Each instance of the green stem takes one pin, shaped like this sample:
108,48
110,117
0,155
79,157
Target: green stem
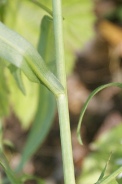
60,62
62,101
68,166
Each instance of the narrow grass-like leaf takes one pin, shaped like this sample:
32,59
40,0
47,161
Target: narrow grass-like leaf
87,102
16,50
46,105
46,46
108,179
41,125
10,174
25,178
104,170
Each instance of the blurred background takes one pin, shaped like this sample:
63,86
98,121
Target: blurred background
93,51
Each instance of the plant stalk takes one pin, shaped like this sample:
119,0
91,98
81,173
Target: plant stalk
62,100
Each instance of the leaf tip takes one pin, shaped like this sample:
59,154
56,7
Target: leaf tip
79,138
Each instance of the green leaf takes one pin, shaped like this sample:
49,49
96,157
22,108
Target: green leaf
10,174
41,125
46,105
103,172
109,141
111,177
19,52
78,23
17,76
87,102
46,46
25,178
23,106
4,102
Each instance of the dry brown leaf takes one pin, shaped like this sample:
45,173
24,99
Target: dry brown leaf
110,32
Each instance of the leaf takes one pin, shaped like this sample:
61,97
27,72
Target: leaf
78,23
27,177
106,29
93,163
41,125
109,178
4,103
17,76
19,52
23,106
10,174
46,105
104,170
87,102
46,46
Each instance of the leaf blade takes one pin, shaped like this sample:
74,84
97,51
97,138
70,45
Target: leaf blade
23,55
47,105
87,102
10,174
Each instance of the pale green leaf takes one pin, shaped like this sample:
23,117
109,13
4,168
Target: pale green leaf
24,106
103,172
87,102
19,52
46,104
17,76
78,23
111,177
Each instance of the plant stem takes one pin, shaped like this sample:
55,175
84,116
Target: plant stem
62,101
65,134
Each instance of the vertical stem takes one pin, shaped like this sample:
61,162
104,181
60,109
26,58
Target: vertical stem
62,101
68,166
57,16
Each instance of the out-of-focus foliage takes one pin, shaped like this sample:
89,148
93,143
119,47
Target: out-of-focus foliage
25,17
4,103
93,165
